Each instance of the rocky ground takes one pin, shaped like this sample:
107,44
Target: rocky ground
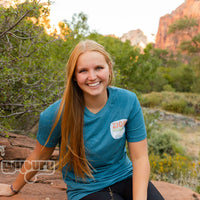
187,128
51,186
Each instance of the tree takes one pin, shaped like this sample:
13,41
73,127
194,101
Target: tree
27,72
78,25
32,62
185,25
146,70
191,46
182,78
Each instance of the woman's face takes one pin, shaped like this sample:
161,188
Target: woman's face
92,74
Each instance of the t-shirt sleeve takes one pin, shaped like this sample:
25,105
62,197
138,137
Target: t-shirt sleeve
46,122
135,127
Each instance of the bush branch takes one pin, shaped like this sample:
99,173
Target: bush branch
25,14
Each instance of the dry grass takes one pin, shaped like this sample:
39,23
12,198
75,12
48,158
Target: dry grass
184,103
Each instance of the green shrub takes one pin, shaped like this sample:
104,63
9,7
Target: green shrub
151,100
168,88
198,189
175,105
164,143
185,103
151,122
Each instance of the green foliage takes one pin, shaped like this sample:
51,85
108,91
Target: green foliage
168,88
181,78
198,189
146,70
185,103
183,24
187,26
151,100
151,122
78,26
192,46
164,143
31,65
176,105
168,159
195,86
177,169
172,73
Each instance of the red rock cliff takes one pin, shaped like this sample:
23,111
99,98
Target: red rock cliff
191,9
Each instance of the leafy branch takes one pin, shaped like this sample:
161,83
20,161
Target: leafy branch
14,25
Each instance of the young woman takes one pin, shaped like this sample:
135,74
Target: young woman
92,123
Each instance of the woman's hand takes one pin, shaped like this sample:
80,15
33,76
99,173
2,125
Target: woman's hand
5,190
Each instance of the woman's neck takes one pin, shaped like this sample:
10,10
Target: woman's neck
96,103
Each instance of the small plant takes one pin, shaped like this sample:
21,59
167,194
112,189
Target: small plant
151,100
168,88
177,169
164,143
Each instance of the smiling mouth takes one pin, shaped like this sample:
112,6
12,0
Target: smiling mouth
94,84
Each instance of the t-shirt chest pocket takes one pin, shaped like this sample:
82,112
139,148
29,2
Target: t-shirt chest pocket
117,128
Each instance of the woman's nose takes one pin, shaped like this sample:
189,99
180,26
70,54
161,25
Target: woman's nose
92,75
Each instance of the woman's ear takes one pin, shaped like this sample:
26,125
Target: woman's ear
110,64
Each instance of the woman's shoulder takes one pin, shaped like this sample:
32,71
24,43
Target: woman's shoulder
51,110
122,93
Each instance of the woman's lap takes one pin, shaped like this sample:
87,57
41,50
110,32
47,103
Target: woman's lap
123,191
103,195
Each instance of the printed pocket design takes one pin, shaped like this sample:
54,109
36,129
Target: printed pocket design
117,128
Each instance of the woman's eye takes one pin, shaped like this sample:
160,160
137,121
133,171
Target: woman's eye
99,67
81,71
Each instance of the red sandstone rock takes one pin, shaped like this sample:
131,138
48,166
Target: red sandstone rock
46,188
19,147
175,192
191,9
52,187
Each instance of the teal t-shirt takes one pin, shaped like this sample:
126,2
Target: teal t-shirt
105,134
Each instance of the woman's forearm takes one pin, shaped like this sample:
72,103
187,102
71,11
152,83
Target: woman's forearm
28,170
141,171
31,166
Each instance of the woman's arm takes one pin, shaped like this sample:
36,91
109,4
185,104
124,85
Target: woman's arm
39,153
141,168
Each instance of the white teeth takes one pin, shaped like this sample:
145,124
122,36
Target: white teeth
94,84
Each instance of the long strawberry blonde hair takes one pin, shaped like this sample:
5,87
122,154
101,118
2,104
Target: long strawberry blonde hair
71,113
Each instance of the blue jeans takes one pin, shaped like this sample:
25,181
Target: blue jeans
122,191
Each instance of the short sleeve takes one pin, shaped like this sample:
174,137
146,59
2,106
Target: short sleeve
46,122
135,127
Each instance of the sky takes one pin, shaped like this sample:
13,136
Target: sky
115,16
